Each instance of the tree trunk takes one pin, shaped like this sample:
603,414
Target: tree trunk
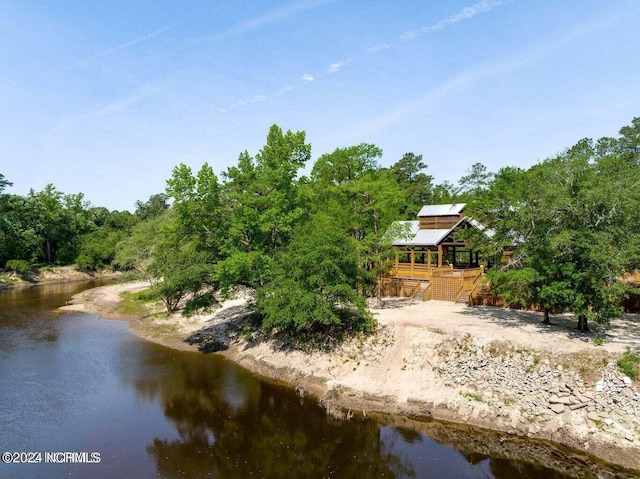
379,298
546,316
48,252
582,324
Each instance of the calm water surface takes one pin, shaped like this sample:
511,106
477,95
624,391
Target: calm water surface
75,382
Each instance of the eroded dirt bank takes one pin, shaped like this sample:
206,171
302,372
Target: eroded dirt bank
481,366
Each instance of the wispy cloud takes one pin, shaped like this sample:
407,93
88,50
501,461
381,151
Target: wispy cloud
273,16
119,108
307,77
131,43
464,14
249,101
378,48
334,67
283,90
480,72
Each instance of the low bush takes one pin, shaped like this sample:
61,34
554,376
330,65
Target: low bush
629,364
20,266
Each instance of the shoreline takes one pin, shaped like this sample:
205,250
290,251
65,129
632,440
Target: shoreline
54,275
467,366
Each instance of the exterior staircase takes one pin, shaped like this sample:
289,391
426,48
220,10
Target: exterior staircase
464,298
419,292
440,284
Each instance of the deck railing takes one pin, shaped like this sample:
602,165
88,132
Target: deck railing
445,283
421,271
428,293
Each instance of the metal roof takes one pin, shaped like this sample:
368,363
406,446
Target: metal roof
424,238
442,210
416,236
430,237
412,235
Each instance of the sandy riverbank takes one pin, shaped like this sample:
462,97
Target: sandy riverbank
483,366
49,275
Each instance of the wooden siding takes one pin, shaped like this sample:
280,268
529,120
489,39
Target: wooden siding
438,222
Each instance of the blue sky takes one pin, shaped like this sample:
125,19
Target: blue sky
105,98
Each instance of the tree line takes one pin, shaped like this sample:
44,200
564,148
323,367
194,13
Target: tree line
570,227
314,246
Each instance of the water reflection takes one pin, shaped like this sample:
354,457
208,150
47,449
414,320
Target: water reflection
77,383
231,425
23,309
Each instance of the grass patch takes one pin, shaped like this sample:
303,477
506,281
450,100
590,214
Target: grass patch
471,395
629,364
7,279
598,341
135,304
170,330
588,363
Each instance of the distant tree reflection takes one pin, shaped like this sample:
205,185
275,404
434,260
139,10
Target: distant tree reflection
229,424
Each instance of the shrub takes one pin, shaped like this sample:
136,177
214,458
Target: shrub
629,364
20,266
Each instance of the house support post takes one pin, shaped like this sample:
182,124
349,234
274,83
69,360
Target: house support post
413,260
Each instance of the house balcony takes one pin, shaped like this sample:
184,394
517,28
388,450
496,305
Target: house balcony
425,271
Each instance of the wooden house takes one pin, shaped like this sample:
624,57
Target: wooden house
432,259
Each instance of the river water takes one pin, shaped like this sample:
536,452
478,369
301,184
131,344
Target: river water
73,382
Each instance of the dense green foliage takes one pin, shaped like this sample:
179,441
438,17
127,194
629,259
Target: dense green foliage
569,224
313,283
313,247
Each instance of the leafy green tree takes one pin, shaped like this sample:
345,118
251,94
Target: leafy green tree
344,165
417,185
4,183
261,201
5,222
19,239
76,224
569,221
475,181
60,220
107,228
182,272
98,249
136,251
313,284
47,211
120,220
375,204
196,200
364,199
444,193
154,206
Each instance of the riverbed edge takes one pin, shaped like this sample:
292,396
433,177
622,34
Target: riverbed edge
343,402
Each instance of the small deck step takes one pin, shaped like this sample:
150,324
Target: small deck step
464,298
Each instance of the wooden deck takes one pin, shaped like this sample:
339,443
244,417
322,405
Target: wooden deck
429,282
